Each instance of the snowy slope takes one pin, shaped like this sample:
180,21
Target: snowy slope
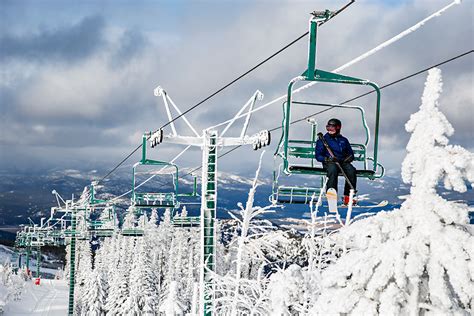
5,254
50,298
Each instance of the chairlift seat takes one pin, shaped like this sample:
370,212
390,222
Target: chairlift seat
321,171
296,195
158,200
306,150
132,232
103,232
187,221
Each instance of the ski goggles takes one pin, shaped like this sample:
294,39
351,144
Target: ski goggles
331,127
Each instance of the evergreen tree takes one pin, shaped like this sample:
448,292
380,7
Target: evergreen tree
119,284
83,273
417,259
94,295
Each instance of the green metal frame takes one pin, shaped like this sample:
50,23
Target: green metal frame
208,219
304,149
154,199
72,264
297,194
313,74
187,221
38,261
96,227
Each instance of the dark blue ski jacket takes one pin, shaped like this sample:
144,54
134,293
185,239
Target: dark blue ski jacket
339,145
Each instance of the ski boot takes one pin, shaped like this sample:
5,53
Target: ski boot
345,200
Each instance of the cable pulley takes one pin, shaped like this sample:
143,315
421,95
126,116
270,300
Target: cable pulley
156,138
262,139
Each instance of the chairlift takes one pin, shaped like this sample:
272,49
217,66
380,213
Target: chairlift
289,148
160,199
154,199
183,220
132,232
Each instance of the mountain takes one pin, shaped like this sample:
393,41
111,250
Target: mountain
27,195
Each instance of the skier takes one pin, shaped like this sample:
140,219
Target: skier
342,154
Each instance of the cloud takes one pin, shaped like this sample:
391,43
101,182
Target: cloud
131,44
103,98
67,43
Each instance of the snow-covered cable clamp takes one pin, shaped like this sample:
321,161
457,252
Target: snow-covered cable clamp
156,138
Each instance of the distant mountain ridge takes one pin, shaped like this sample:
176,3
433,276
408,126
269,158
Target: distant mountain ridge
25,195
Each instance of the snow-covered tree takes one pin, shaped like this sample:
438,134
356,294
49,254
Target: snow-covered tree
152,223
83,273
119,282
143,294
243,289
11,286
130,219
172,304
67,266
94,294
417,259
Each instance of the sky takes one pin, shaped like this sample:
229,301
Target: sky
77,77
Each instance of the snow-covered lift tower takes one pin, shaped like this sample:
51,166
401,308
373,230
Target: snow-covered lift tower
210,141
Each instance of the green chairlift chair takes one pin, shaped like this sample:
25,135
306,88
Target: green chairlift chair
291,148
154,199
160,199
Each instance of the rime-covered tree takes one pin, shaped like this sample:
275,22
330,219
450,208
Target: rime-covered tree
119,283
11,286
162,245
242,290
143,295
83,272
152,223
172,304
94,295
418,259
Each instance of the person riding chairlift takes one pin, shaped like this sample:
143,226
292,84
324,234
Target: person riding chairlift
343,154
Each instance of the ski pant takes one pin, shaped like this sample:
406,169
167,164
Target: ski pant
333,171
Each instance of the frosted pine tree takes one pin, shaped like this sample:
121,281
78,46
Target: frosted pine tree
162,245
83,272
242,291
119,284
130,220
172,304
11,286
94,295
67,266
418,259
105,258
152,222
148,287
143,295
131,304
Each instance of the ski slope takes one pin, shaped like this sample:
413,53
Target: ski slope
48,299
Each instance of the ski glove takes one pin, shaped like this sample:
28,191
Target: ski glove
330,159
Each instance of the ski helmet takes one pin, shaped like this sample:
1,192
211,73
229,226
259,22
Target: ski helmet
336,123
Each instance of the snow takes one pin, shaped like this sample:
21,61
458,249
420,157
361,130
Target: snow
50,298
5,254
413,260
417,259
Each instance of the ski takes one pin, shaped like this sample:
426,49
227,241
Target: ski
331,196
380,204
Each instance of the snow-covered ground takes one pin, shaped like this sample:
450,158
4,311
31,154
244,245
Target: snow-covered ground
49,298
5,254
